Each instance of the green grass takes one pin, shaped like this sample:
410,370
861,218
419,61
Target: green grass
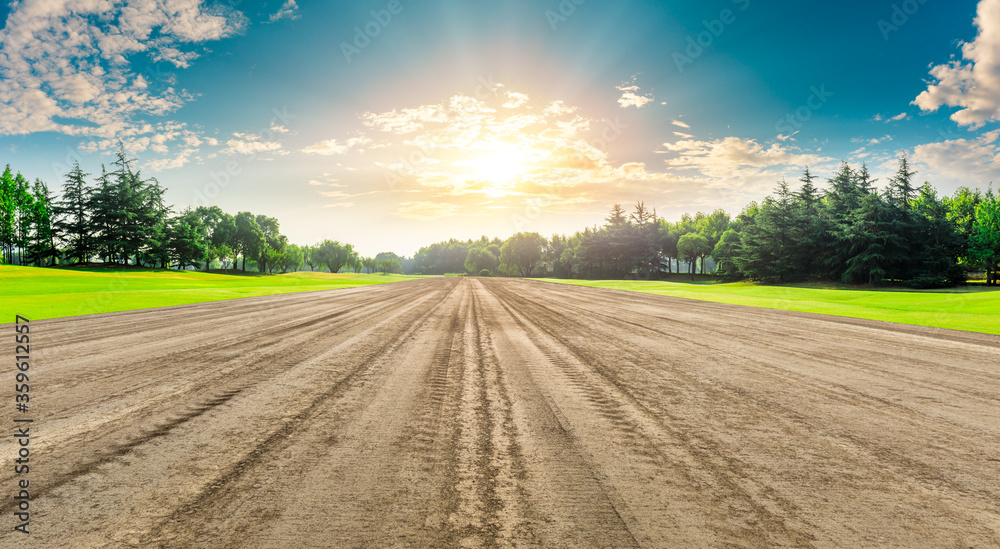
51,293
973,309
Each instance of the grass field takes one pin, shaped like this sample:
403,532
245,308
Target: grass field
51,293
972,308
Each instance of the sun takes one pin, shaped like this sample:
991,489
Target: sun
500,164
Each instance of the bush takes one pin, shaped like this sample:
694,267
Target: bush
485,272
927,281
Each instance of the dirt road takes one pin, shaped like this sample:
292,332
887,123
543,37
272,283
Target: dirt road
505,413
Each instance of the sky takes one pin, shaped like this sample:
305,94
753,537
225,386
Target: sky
392,124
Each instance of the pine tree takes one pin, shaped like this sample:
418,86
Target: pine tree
901,189
41,247
23,215
103,206
72,218
767,251
865,181
809,230
7,216
874,245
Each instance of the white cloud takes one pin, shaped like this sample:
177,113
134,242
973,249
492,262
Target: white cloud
332,146
742,164
898,117
684,135
631,99
65,67
972,83
286,11
249,143
680,124
177,161
782,137
515,100
971,162
632,96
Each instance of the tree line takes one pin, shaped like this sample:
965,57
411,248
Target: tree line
849,231
121,219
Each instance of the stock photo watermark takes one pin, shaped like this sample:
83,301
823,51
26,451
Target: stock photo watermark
372,29
714,28
793,121
219,181
562,13
900,16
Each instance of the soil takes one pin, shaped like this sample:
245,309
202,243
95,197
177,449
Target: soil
479,412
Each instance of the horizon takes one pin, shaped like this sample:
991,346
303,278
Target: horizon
404,124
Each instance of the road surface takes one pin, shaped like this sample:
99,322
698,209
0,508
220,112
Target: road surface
452,412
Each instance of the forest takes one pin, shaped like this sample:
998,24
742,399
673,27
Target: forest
847,230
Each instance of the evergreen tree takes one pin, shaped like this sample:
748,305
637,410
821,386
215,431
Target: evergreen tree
72,219
41,248
809,230
873,242
24,214
103,206
901,190
7,216
766,241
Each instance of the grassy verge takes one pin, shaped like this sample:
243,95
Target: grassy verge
51,293
973,309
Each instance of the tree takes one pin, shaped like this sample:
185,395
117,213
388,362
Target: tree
41,247
307,257
872,241
24,206
725,253
334,255
72,216
691,247
188,243
901,190
7,216
442,257
767,239
249,238
986,237
521,253
479,259
712,227
274,243
291,258
617,216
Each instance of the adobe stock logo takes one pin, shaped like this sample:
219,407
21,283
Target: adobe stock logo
363,36
793,121
900,16
697,44
566,9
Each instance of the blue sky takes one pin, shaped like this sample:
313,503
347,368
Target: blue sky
453,118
